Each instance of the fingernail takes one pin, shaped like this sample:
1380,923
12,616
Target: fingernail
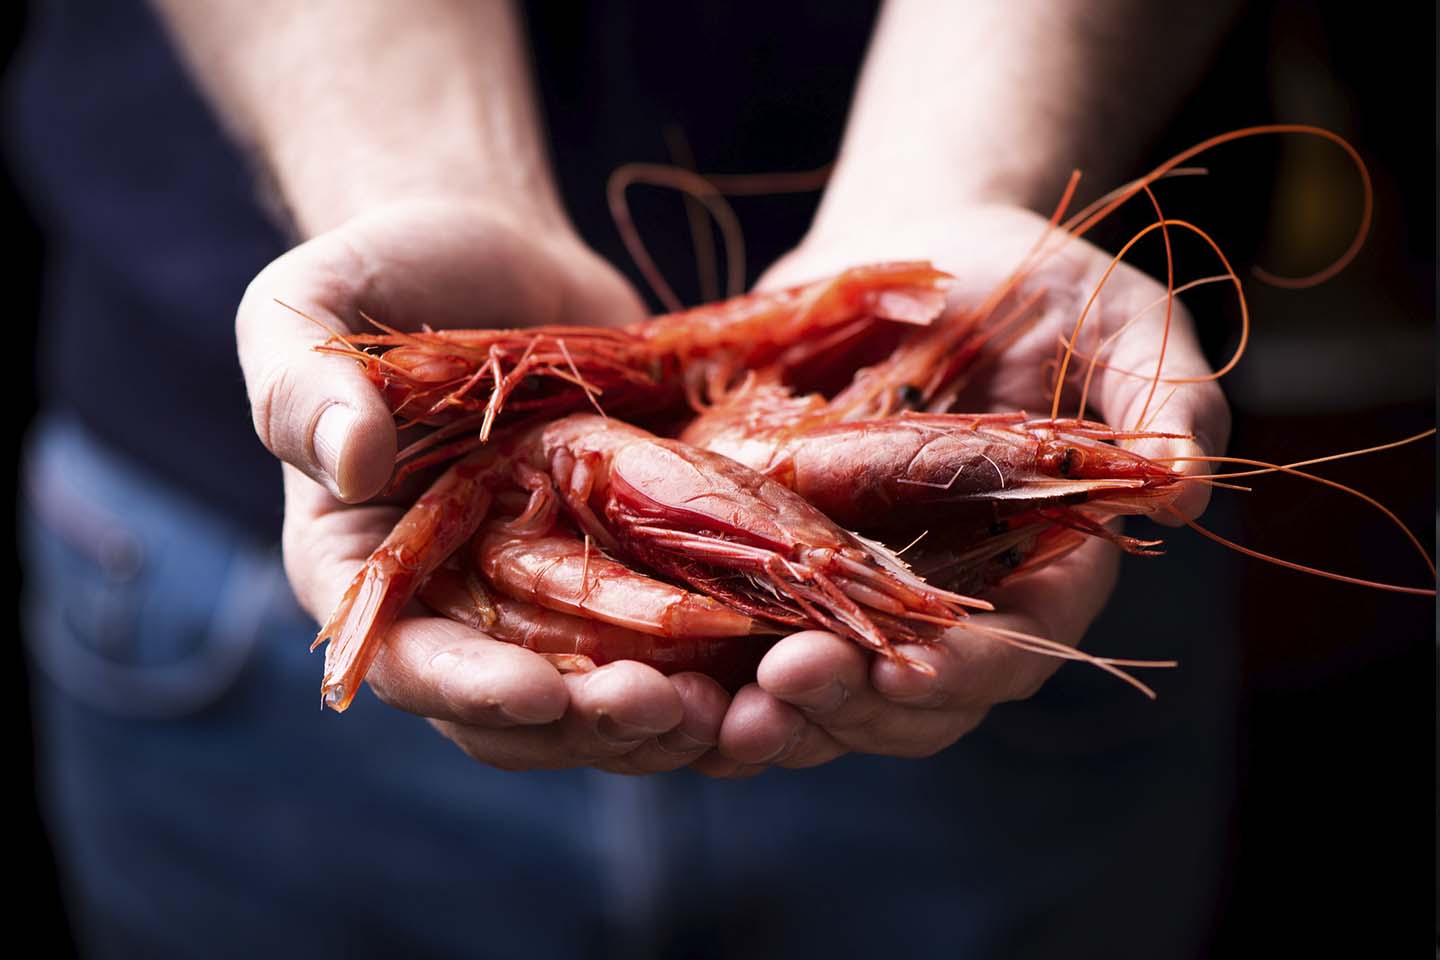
328,440
678,741
520,717
620,734
824,699
785,751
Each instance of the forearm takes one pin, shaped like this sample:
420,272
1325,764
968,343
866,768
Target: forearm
998,100
350,104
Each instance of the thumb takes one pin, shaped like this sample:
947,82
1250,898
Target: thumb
312,411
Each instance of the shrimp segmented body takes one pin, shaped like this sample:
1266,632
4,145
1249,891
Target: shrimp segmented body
888,476
693,516
758,557
564,574
467,382
576,642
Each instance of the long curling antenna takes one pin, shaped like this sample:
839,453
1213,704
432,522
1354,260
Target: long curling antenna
1053,648
1300,567
1094,358
1169,312
1291,468
1081,223
701,190
1104,278
694,185
701,238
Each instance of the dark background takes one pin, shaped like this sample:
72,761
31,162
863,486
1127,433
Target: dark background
1330,848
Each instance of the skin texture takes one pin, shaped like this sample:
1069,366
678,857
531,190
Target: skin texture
814,698
403,143
1050,87
500,703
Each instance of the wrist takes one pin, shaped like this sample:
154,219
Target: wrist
883,226
321,192
348,108
880,192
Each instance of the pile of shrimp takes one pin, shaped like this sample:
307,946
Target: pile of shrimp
684,491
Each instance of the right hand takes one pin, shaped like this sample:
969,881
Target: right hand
447,265
818,696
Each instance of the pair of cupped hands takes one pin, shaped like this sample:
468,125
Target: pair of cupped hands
816,696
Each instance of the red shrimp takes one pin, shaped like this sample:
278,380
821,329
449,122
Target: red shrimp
895,476
1019,491
578,643
467,381
691,515
566,574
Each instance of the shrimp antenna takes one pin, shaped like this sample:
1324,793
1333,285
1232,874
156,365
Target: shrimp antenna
1081,223
1053,648
1290,468
1169,312
1169,301
694,185
763,184
1300,567
1094,359
1109,271
702,240
336,334
707,191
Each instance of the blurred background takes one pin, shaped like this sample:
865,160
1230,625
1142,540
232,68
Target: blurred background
1333,801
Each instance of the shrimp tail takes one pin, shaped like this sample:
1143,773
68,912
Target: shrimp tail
440,521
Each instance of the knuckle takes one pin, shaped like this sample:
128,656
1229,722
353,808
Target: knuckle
387,692
271,402
859,714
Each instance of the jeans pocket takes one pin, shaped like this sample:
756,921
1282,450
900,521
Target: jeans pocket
138,602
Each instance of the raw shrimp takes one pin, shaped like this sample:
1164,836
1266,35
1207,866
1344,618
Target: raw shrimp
576,642
691,515
465,381
1010,492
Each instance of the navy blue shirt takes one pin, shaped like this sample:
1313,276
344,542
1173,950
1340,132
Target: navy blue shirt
153,224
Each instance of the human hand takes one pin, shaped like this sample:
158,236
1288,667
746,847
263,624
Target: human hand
445,264
817,696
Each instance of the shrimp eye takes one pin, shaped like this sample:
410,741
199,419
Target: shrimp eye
908,395
1070,460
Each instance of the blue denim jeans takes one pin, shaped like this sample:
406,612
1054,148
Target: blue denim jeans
201,803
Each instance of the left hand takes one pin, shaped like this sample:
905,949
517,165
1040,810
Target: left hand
818,696
452,262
